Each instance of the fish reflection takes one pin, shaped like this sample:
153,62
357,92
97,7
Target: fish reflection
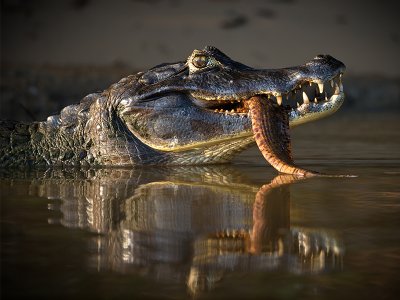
189,225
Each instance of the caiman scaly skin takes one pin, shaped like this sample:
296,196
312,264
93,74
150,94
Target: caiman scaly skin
191,112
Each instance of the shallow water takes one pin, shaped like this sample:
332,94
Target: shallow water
216,232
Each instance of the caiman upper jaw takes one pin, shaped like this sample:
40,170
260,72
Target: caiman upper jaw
306,93
219,83
316,81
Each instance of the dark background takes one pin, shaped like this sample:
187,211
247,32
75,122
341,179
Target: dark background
53,53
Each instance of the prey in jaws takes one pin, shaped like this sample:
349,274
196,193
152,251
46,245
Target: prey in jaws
202,110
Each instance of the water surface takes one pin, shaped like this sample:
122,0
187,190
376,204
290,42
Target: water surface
234,231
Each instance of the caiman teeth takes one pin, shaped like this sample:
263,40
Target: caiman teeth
305,98
337,89
321,87
279,99
313,92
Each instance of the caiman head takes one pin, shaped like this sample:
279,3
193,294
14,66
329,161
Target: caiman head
199,111
210,107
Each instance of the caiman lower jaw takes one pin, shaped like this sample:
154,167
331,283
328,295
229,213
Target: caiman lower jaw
314,111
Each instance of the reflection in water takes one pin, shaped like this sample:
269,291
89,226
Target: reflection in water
190,225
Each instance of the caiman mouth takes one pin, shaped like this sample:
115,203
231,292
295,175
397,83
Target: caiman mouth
233,93
271,120
305,95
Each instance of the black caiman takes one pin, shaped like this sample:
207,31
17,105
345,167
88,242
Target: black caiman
200,111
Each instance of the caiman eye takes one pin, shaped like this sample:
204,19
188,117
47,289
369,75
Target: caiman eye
200,61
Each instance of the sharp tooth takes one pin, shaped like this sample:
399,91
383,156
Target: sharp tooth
315,100
299,86
305,98
321,87
279,99
298,105
332,83
232,110
326,97
337,89
310,83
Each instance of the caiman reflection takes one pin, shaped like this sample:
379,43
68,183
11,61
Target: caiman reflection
189,225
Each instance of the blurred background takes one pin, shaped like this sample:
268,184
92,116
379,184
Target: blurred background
53,53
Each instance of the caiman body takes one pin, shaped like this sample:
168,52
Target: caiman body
198,111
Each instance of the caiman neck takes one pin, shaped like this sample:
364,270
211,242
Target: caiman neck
41,144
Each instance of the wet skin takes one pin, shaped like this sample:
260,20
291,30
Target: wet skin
200,111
